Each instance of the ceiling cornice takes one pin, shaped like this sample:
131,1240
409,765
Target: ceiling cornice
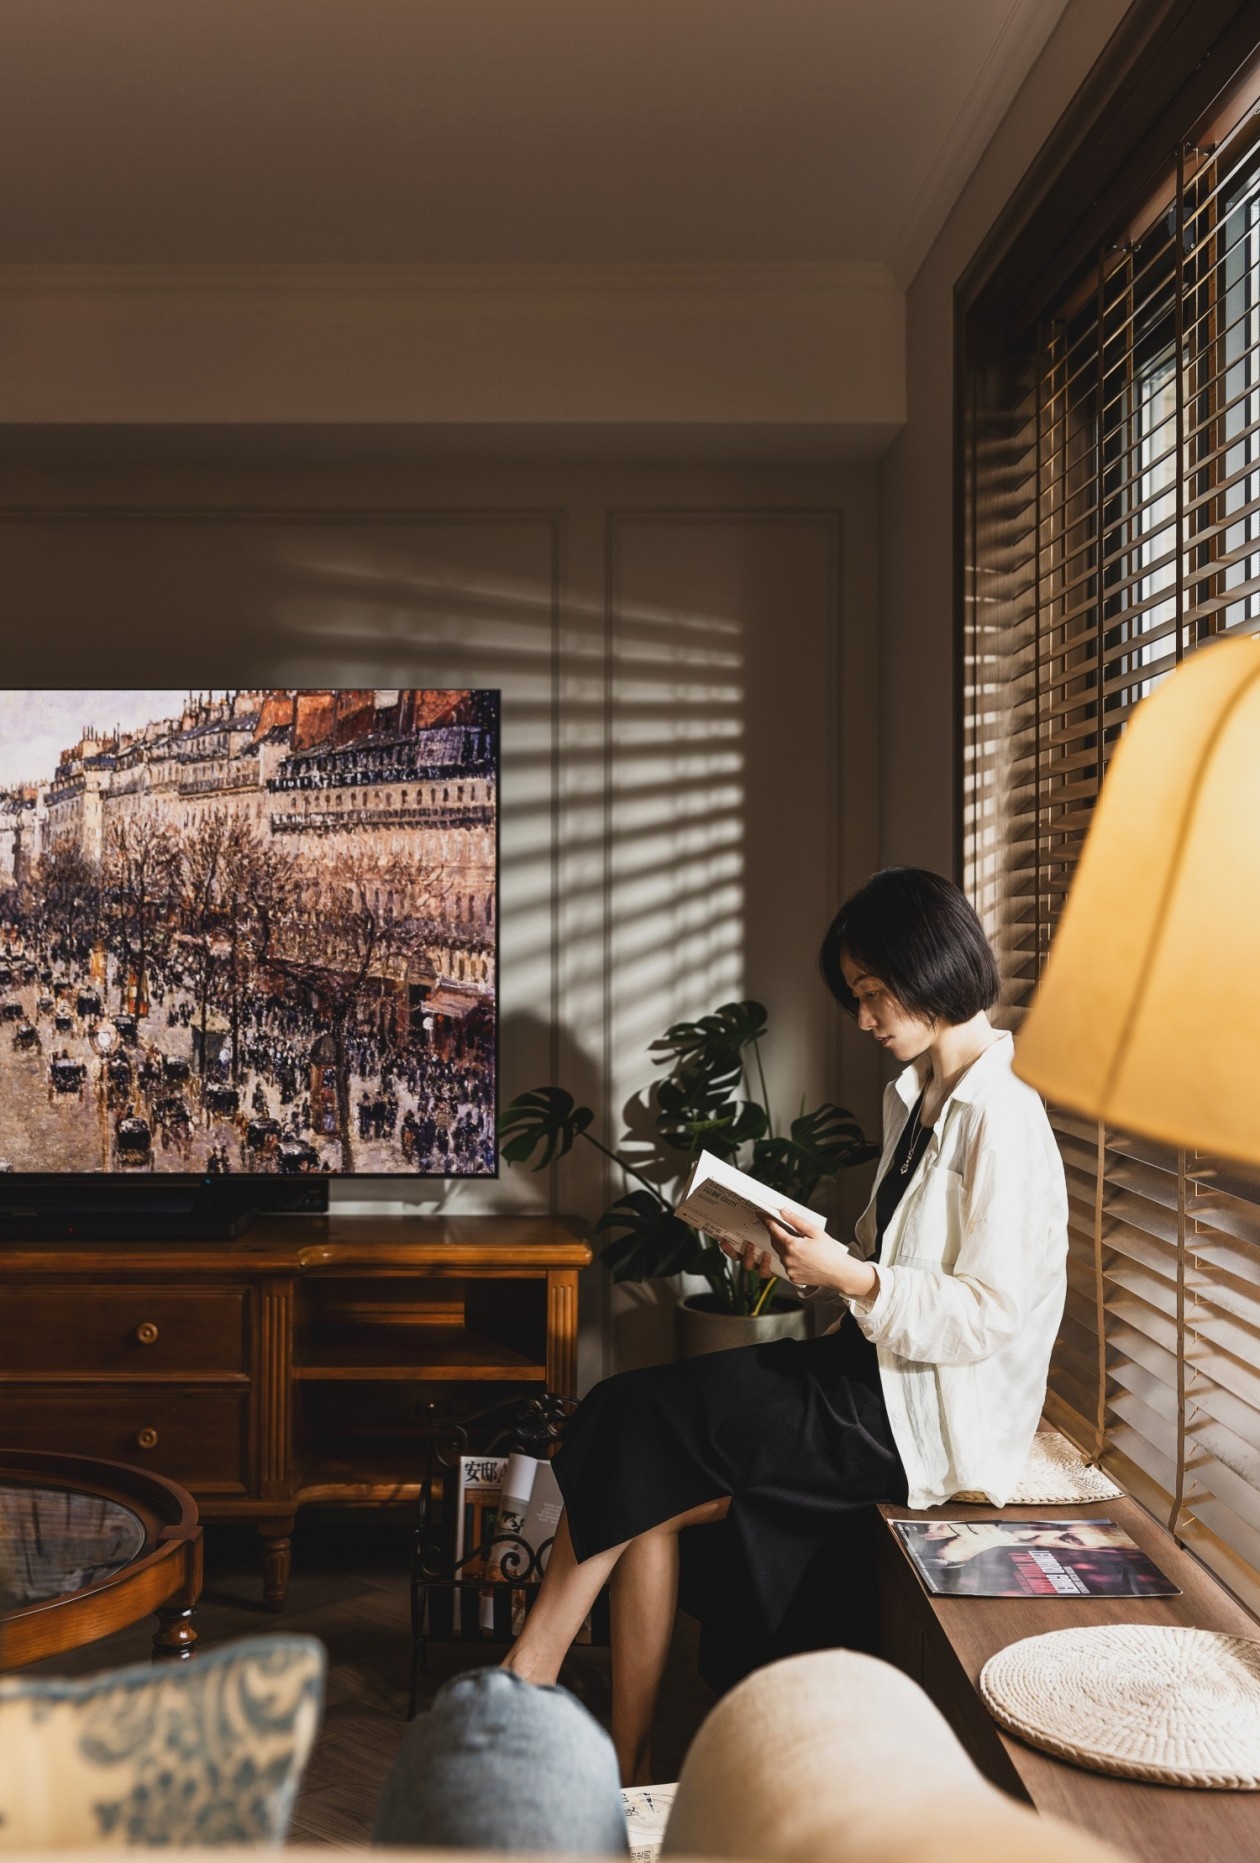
994,92
423,281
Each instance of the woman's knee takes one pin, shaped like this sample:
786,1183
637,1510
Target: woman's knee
501,1764
706,1513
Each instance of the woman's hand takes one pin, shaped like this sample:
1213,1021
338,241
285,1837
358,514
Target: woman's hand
815,1259
755,1260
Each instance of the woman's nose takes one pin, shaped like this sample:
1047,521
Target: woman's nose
865,1019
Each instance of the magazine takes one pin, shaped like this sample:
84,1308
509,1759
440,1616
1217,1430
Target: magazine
546,1504
479,1486
647,1809
518,1485
1031,1559
516,1495
728,1205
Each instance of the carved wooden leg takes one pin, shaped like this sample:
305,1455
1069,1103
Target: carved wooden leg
176,1638
277,1559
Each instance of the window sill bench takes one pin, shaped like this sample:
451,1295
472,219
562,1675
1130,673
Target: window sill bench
943,1643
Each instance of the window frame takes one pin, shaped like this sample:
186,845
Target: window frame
1061,626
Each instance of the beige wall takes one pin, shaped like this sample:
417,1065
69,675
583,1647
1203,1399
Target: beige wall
687,660
916,594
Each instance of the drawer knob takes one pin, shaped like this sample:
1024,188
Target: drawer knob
147,1332
146,1439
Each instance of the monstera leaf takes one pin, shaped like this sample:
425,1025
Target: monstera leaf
546,1117
822,1142
689,1121
711,1042
653,1240
833,1139
698,1104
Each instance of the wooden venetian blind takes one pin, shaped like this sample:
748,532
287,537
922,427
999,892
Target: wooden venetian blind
1112,527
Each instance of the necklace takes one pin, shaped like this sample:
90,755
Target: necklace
916,1132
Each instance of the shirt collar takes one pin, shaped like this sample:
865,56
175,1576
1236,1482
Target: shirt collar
912,1080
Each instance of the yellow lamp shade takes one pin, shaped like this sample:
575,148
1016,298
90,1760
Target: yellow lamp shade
1148,1015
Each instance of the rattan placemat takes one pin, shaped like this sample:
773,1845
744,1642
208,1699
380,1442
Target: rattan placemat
1056,1474
1171,1705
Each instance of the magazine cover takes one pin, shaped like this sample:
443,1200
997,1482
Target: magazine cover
1031,1558
480,1485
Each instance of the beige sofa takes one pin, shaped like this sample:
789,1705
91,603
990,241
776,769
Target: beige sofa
840,1758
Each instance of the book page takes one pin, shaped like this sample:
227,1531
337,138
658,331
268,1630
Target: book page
727,1204
647,1809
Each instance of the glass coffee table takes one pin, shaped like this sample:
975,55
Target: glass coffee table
89,1547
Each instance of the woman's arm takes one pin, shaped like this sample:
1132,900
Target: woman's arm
815,1259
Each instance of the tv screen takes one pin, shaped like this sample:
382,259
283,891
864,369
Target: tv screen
248,932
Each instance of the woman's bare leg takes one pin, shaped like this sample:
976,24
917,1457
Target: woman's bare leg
567,1592
644,1602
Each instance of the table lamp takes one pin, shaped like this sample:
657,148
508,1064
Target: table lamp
1148,1014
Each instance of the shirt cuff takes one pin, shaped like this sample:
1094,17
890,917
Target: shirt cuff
871,1312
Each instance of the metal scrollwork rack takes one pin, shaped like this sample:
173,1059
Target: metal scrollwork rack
528,1425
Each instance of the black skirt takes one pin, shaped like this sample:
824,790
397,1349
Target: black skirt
797,1434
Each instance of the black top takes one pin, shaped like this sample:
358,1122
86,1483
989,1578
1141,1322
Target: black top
907,1152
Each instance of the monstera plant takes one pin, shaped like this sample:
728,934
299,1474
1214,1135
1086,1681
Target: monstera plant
703,1102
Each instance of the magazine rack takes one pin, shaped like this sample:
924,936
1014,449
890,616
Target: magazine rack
528,1425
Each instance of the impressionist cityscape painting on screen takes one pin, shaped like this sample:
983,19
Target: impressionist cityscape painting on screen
248,931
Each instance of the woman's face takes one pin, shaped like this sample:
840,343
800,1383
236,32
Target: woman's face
962,1540
905,1035
1078,1533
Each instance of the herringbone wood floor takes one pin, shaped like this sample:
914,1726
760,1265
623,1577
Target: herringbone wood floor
350,1590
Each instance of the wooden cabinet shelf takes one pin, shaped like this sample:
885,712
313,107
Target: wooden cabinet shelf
422,1353
287,1366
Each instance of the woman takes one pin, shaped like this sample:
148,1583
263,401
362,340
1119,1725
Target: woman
931,1382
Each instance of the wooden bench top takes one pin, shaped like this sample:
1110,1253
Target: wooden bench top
944,1642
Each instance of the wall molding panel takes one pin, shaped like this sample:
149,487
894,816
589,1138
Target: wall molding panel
678,651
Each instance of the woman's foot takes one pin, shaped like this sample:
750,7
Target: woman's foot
518,1662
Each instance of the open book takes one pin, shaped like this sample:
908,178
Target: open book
728,1204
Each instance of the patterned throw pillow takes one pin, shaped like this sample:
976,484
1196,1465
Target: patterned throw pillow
209,1752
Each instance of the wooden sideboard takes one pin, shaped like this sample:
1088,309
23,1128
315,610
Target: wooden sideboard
287,1366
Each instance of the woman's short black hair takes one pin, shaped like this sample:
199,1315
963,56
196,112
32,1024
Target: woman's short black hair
917,933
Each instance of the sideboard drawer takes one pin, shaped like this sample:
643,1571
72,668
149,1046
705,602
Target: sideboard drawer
77,1328
195,1434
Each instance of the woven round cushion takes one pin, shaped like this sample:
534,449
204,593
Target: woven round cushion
1056,1474
1171,1705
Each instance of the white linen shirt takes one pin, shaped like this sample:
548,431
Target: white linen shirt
972,1281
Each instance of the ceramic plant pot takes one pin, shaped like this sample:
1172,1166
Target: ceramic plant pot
703,1326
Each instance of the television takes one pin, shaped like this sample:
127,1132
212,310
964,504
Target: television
248,944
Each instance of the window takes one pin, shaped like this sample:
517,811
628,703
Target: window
1113,527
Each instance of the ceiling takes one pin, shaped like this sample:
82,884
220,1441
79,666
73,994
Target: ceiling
471,131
